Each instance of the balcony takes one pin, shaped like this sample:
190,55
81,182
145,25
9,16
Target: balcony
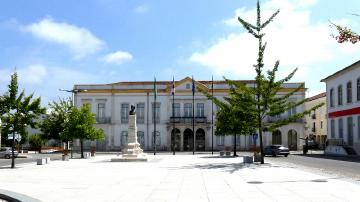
103,120
271,119
198,119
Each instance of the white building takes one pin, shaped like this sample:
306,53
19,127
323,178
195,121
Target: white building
316,121
111,104
343,107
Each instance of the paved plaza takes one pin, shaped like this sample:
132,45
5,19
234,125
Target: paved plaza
173,178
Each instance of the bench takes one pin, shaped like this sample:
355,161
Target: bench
87,155
248,159
226,153
43,160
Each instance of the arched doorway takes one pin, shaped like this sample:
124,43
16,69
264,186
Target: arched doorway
276,137
188,140
175,139
292,139
200,140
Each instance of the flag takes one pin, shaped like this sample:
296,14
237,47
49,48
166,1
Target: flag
193,86
155,89
173,87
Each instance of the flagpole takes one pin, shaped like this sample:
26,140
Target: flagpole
154,135
173,114
193,113
212,116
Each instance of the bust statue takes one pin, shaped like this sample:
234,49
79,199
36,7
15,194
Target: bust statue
132,110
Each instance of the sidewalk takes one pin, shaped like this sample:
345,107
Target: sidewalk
172,178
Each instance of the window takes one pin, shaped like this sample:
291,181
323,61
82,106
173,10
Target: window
358,89
140,113
341,135
176,109
187,86
350,131
348,92
292,111
101,110
220,140
321,124
156,112
332,130
237,140
141,138
314,127
200,109
157,138
332,97
124,113
124,138
358,122
188,110
340,97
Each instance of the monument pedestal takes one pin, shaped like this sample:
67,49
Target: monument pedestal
132,151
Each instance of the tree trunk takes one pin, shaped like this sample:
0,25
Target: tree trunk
235,145
82,148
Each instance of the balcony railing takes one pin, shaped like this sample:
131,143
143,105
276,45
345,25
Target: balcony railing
103,120
271,119
178,119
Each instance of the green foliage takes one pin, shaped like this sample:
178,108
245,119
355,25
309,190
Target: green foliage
269,101
80,125
236,114
18,111
36,142
54,124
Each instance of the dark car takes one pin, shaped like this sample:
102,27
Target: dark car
275,150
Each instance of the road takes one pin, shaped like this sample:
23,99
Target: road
338,167
4,163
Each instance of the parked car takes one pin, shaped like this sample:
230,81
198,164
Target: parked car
275,150
5,152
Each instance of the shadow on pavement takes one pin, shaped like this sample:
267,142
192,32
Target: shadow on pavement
355,159
226,167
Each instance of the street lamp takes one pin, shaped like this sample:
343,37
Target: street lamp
73,93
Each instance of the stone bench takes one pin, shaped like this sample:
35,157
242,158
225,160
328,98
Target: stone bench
248,159
225,153
87,155
43,160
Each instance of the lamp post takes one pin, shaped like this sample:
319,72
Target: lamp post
73,93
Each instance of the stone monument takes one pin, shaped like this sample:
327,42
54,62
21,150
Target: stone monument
132,151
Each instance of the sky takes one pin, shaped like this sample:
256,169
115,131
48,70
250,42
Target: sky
57,44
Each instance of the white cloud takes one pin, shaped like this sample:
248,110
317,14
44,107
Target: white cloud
141,9
292,38
117,57
32,74
79,40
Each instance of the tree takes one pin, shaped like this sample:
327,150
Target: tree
269,102
236,113
54,124
345,34
80,125
36,142
18,112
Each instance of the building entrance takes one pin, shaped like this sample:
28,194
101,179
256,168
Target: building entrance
200,140
175,139
188,140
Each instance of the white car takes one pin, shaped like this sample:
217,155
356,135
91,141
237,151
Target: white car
5,152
